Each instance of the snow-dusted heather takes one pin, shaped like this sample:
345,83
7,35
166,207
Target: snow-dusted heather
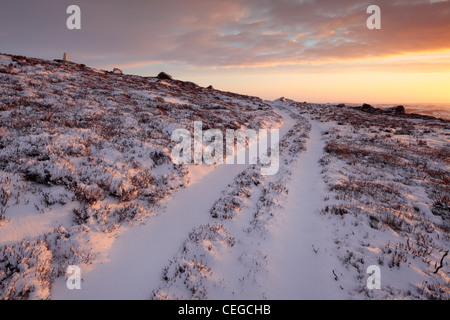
236,266
358,190
83,152
84,158
388,200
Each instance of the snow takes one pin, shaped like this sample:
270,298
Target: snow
138,255
4,60
27,222
86,179
176,101
85,155
296,270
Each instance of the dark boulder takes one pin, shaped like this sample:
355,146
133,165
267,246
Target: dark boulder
190,84
164,76
398,110
367,107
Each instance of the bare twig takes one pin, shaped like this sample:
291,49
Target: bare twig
335,276
441,264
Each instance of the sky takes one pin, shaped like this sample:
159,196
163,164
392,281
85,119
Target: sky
306,50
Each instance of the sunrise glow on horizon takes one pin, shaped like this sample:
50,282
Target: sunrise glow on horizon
316,51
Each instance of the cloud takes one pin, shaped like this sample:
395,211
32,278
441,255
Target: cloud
224,34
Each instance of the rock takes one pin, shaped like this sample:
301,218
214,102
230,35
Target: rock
190,84
398,110
18,58
367,108
341,105
210,87
117,71
164,76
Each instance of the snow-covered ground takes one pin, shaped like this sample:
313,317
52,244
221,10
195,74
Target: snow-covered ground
301,260
137,257
86,154
86,179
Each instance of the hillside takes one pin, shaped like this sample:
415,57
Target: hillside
86,178
83,151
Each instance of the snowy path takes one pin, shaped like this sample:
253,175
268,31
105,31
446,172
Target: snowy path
137,257
295,270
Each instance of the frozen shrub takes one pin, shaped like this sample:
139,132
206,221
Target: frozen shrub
88,195
441,207
26,271
4,198
231,203
338,210
130,213
190,270
71,246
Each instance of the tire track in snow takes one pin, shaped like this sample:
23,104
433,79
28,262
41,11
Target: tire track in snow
245,211
138,256
300,265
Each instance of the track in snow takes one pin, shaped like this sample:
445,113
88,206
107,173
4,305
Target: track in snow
300,265
137,257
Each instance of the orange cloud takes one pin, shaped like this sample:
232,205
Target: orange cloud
225,34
